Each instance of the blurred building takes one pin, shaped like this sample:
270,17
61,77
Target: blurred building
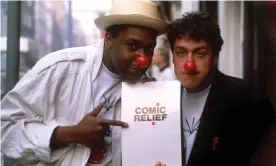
27,35
59,23
42,44
86,13
78,36
249,46
44,29
66,28
86,23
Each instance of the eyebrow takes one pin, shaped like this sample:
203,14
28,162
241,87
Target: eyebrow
139,42
194,49
132,39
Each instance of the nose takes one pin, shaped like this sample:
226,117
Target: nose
190,66
142,61
190,57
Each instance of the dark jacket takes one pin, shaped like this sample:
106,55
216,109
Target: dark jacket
235,119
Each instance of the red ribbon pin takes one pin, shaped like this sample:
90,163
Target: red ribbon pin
215,142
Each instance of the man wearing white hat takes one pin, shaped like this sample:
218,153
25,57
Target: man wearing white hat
46,118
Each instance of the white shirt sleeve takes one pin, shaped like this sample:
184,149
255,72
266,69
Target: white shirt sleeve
27,118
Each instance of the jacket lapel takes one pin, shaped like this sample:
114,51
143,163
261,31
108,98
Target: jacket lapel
210,122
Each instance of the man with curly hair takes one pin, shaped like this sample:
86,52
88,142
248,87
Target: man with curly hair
224,118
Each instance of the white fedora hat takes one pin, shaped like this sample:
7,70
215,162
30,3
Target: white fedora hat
133,12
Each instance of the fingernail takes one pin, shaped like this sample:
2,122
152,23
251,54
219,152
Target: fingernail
125,125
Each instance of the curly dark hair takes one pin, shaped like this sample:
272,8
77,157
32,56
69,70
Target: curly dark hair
196,26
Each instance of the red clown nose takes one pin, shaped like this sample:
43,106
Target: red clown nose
142,61
190,66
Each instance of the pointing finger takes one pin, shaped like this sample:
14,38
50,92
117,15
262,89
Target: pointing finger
96,111
114,123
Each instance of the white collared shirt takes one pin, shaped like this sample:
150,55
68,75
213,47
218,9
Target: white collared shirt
58,91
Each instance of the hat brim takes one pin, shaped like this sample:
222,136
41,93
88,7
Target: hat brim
106,21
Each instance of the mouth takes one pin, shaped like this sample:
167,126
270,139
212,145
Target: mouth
189,73
135,71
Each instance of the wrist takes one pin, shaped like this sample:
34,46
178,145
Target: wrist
62,136
66,134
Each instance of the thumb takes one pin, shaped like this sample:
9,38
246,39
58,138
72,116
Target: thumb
158,163
153,79
148,79
96,111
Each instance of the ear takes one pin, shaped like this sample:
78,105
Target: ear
215,60
108,40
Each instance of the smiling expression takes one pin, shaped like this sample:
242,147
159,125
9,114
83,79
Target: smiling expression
130,43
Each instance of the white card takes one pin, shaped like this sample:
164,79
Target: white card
152,110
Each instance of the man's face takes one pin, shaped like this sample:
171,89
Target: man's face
157,58
198,51
130,43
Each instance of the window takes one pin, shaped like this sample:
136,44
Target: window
3,84
4,9
27,20
3,61
22,61
29,3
